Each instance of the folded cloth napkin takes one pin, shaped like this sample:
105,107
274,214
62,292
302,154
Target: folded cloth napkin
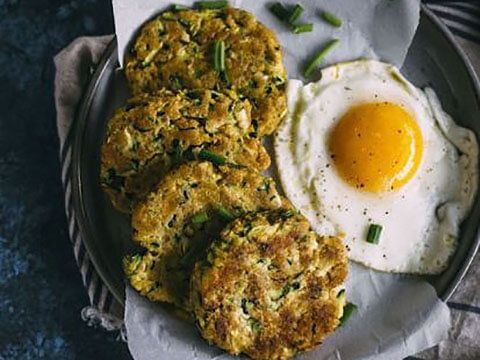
75,64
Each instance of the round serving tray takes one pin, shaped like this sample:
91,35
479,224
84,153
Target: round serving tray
434,59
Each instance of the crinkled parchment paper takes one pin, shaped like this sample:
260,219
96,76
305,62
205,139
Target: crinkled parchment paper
397,315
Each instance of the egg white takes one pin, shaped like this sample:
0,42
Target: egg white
421,219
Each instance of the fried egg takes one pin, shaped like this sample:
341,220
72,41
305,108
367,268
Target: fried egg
363,146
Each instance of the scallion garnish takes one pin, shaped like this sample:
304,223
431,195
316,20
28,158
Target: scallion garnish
295,14
220,4
200,218
317,59
348,310
178,7
374,231
219,56
332,19
302,28
225,214
212,157
280,11
177,152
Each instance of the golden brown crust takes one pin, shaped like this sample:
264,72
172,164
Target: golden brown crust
167,223
156,132
174,50
269,287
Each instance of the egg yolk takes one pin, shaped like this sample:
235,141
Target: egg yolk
376,147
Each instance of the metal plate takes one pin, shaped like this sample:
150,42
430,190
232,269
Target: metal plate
433,59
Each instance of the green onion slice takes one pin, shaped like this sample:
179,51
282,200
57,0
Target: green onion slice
317,59
178,7
295,14
219,55
212,157
177,152
374,231
332,19
302,28
220,4
200,218
225,214
348,310
280,11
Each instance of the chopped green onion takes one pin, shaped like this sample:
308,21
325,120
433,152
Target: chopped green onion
340,293
178,7
132,262
280,11
225,214
317,59
224,77
177,152
212,157
221,60
374,231
332,19
287,214
295,14
200,218
302,28
348,310
219,56
150,57
255,325
220,4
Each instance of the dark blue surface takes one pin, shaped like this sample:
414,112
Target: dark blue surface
41,292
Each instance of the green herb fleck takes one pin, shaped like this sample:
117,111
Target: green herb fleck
225,214
114,180
219,55
132,262
280,11
331,18
212,157
176,82
285,290
302,28
287,214
373,235
148,60
348,310
220,4
317,59
295,14
178,7
255,325
246,306
177,152
200,218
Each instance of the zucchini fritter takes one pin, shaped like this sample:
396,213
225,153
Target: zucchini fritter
156,132
175,49
270,286
175,223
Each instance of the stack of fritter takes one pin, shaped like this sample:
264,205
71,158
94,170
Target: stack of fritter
184,157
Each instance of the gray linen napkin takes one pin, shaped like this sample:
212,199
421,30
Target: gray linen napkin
74,66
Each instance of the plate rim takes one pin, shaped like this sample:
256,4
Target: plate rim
78,205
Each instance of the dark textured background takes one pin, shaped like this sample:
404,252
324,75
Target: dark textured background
41,292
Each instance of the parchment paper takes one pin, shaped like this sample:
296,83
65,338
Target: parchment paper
371,28
397,315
